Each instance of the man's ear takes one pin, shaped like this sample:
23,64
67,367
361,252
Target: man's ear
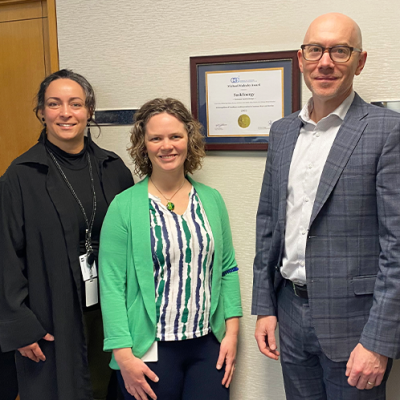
300,59
361,62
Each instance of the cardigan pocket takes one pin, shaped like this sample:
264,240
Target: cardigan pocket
140,326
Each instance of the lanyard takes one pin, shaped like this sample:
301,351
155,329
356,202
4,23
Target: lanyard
89,223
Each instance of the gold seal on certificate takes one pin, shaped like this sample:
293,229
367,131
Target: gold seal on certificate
244,121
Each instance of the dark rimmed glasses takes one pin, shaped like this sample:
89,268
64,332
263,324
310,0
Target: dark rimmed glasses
338,54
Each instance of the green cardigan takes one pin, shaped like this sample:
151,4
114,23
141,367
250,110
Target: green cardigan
126,270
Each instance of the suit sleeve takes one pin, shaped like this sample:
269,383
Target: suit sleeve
382,331
230,288
113,278
264,301
19,326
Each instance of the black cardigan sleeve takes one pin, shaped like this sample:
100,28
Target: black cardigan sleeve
19,326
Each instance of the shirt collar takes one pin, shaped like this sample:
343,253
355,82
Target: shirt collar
341,111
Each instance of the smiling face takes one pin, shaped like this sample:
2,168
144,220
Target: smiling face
166,142
332,82
65,114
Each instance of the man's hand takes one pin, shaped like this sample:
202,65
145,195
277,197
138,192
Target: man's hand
33,351
365,368
265,336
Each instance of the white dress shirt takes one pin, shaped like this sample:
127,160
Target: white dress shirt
309,157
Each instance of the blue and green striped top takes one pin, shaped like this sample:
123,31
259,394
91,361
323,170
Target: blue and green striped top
183,250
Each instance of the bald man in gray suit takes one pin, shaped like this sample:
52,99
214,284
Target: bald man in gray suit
327,263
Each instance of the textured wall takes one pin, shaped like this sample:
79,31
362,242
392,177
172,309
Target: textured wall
132,51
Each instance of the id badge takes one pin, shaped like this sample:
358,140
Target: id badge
151,354
88,273
91,292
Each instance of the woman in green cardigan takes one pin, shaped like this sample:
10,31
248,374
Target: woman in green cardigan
168,276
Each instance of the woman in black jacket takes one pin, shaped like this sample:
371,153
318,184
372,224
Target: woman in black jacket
53,199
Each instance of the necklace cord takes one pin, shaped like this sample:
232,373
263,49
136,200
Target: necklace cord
89,224
165,197
170,204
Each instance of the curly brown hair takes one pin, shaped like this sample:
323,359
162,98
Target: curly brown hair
137,150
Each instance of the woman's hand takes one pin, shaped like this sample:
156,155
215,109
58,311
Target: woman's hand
134,372
33,351
227,351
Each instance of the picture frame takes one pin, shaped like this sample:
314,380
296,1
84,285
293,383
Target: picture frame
230,100
390,104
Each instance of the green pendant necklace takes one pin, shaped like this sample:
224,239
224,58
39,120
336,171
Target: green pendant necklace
170,204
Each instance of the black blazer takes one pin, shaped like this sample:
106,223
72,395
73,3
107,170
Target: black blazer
40,273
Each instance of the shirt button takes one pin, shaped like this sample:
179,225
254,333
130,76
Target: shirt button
306,200
309,166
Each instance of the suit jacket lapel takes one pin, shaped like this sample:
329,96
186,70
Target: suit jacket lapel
289,143
346,140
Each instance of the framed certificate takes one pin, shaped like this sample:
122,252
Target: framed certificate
237,97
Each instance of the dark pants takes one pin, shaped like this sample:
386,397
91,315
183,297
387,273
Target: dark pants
8,376
100,372
307,372
187,371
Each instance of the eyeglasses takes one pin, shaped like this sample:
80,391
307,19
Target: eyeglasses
338,54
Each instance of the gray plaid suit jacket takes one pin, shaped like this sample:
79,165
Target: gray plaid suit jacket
353,245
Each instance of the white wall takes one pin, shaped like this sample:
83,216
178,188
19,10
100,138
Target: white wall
132,51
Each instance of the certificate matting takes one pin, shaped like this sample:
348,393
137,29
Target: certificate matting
243,68
243,102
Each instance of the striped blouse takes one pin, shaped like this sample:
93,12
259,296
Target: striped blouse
182,249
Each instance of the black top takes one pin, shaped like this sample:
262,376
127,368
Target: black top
76,169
